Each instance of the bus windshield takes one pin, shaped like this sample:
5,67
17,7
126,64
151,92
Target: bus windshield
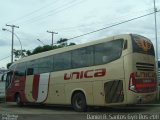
142,45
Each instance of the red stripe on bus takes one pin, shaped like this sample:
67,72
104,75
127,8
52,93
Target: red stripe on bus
35,86
146,85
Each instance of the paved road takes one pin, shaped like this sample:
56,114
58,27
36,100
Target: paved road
10,111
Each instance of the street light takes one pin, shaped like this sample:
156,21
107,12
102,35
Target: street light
40,41
4,29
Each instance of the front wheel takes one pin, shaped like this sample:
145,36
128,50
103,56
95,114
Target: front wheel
18,100
79,102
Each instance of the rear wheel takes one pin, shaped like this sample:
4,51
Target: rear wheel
79,102
18,100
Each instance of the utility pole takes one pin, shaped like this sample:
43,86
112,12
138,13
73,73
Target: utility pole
12,26
52,34
155,23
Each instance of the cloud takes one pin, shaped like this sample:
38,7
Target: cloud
3,43
84,17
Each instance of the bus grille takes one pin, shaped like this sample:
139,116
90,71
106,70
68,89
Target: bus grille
114,91
145,66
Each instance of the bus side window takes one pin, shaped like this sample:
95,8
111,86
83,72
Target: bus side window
125,45
9,78
30,71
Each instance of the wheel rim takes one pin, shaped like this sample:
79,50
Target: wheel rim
79,102
18,99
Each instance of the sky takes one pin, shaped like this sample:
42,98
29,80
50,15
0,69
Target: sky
72,18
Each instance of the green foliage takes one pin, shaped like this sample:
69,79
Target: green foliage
19,53
60,43
28,52
70,44
40,49
63,42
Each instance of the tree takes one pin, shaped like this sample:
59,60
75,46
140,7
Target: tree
28,52
63,42
44,48
70,44
21,53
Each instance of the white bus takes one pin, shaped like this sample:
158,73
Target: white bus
118,70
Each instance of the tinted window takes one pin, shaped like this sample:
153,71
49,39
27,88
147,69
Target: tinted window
62,61
45,64
9,78
83,57
20,69
142,45
12,67
32,65
107,52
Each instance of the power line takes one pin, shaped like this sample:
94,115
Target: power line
5,58
71,5
114,25
55,11
38,16
82,26
32,12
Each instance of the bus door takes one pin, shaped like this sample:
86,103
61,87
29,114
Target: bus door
8,85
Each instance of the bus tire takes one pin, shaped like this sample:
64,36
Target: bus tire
79,102
18,100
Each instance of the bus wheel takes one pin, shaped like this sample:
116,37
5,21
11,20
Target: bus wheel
79,102
18,100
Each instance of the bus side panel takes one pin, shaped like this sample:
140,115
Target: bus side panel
128,69
28,88
56,94
114,83
98,95
16,87
85,87
56,90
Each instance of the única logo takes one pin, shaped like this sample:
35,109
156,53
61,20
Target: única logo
85,74
144,44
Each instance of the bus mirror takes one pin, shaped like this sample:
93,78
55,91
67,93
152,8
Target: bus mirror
16,73
125,45
30,71
2,78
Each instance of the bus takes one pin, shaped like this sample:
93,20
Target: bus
113,71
